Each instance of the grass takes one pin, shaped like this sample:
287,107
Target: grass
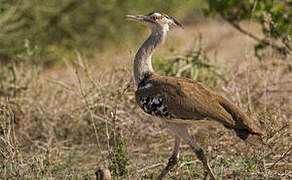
65,123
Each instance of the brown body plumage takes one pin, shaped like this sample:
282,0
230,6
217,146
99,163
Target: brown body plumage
186,99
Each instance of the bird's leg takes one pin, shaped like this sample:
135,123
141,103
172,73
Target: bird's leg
181,131
173,159
201,156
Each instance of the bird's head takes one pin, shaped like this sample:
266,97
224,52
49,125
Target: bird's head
155,20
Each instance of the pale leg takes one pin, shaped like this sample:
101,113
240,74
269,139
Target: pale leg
181,131
173,159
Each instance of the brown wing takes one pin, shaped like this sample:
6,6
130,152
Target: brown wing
188,99
185,99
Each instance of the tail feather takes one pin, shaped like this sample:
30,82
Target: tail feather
252,138
244,127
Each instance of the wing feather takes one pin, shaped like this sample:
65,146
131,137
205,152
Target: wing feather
187,99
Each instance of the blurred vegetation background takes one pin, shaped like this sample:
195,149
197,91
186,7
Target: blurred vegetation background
44,32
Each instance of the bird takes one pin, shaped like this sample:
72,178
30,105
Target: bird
178,100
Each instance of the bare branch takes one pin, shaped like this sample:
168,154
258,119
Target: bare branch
262,41
282,157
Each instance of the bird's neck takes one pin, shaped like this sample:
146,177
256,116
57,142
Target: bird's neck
143,58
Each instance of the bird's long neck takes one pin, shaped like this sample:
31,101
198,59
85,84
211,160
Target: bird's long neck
142,61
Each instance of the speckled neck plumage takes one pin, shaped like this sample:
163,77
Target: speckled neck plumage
143,58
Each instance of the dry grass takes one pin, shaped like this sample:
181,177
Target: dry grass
66,122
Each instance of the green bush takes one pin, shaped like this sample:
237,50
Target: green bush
274,17
119,159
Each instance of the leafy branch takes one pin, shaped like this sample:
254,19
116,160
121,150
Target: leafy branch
273,16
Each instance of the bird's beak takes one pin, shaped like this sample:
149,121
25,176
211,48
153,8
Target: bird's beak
139,18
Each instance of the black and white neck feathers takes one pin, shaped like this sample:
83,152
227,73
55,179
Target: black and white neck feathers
143,58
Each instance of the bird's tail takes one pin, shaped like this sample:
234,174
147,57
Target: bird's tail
244,127
250,137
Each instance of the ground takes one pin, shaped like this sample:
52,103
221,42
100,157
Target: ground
66,122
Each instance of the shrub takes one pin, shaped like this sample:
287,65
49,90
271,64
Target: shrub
273,16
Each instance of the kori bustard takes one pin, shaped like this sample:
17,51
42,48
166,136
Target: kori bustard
178,100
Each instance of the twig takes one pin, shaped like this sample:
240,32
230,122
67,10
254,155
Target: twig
88,107
279,83
188,163
236,26
150,167
62,84
114,113
283,156
276,132
281,165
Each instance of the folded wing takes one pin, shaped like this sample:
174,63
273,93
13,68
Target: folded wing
186,99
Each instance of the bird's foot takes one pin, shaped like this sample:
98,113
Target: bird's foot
172,161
